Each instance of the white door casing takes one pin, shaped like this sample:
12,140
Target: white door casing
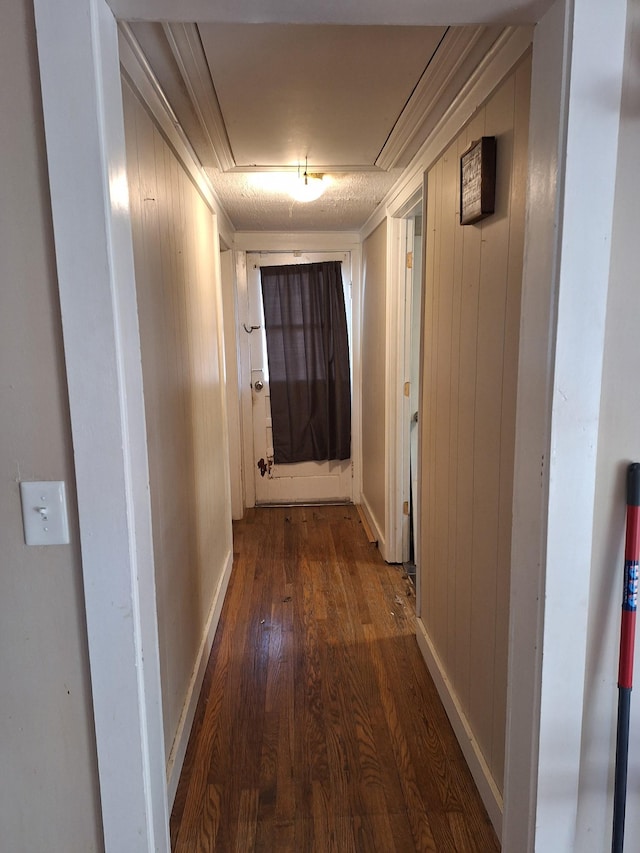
302,482
414,316
405,436
68,35
84,129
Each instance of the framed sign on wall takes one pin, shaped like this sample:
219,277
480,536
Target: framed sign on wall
478,180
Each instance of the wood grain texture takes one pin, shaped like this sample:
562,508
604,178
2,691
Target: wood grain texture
373,367
468,404
318,726
174,242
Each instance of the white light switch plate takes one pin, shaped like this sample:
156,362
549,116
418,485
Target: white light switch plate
44,513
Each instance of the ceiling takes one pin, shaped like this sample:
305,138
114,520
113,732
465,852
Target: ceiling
355,101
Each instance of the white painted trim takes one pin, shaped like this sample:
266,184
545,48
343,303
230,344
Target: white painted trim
409,204
226,484
451,53
246,403
405,313
186,46
232,328
179,747
583,274
139,74
394,378
400,285
356,371
79,177
326,487
401,12
297,241
533,420
317,167
417,536
373,524
497,64
308,242
479,768
84,128
574,129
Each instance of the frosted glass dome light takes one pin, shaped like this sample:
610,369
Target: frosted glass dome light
307,187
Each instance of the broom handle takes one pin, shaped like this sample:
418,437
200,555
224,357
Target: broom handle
627,640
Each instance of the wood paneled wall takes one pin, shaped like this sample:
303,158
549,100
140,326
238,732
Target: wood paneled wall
374,335
470,360
174,237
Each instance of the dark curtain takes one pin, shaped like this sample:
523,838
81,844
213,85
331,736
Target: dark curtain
308,356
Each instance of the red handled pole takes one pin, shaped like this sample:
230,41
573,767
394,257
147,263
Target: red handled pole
627,639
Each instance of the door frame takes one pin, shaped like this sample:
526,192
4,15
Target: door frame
397,439
304,242
282,483
78,56
81,89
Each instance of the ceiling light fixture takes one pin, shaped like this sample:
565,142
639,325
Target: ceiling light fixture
307,187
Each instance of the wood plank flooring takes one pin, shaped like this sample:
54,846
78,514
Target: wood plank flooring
318,727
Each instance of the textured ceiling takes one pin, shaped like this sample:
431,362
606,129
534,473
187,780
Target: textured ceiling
351,197
358,101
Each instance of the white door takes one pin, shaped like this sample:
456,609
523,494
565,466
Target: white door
301,482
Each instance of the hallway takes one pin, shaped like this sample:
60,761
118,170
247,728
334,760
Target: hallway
318,727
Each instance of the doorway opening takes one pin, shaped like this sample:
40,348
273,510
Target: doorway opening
413,290
328,481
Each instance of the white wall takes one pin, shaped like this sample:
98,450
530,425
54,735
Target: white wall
373,390
618,444
181,333
48,783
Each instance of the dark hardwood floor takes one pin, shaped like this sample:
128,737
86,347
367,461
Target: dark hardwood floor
318,727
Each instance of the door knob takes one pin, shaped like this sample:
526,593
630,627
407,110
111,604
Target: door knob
259,385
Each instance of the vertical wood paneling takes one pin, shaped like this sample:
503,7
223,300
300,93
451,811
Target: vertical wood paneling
435,598
173,237
456,588
488,405
470,238
427,433
522,89
471,326
442,335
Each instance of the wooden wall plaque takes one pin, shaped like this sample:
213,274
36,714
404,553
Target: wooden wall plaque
478,180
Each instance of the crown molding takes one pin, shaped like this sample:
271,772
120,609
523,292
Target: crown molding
408,13
457,45
305,241
139,74
505,53
314,169
186,47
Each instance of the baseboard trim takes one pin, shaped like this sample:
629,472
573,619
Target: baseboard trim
179,748
374,528
371,537
479,768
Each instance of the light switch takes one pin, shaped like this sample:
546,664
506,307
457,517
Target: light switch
44,513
